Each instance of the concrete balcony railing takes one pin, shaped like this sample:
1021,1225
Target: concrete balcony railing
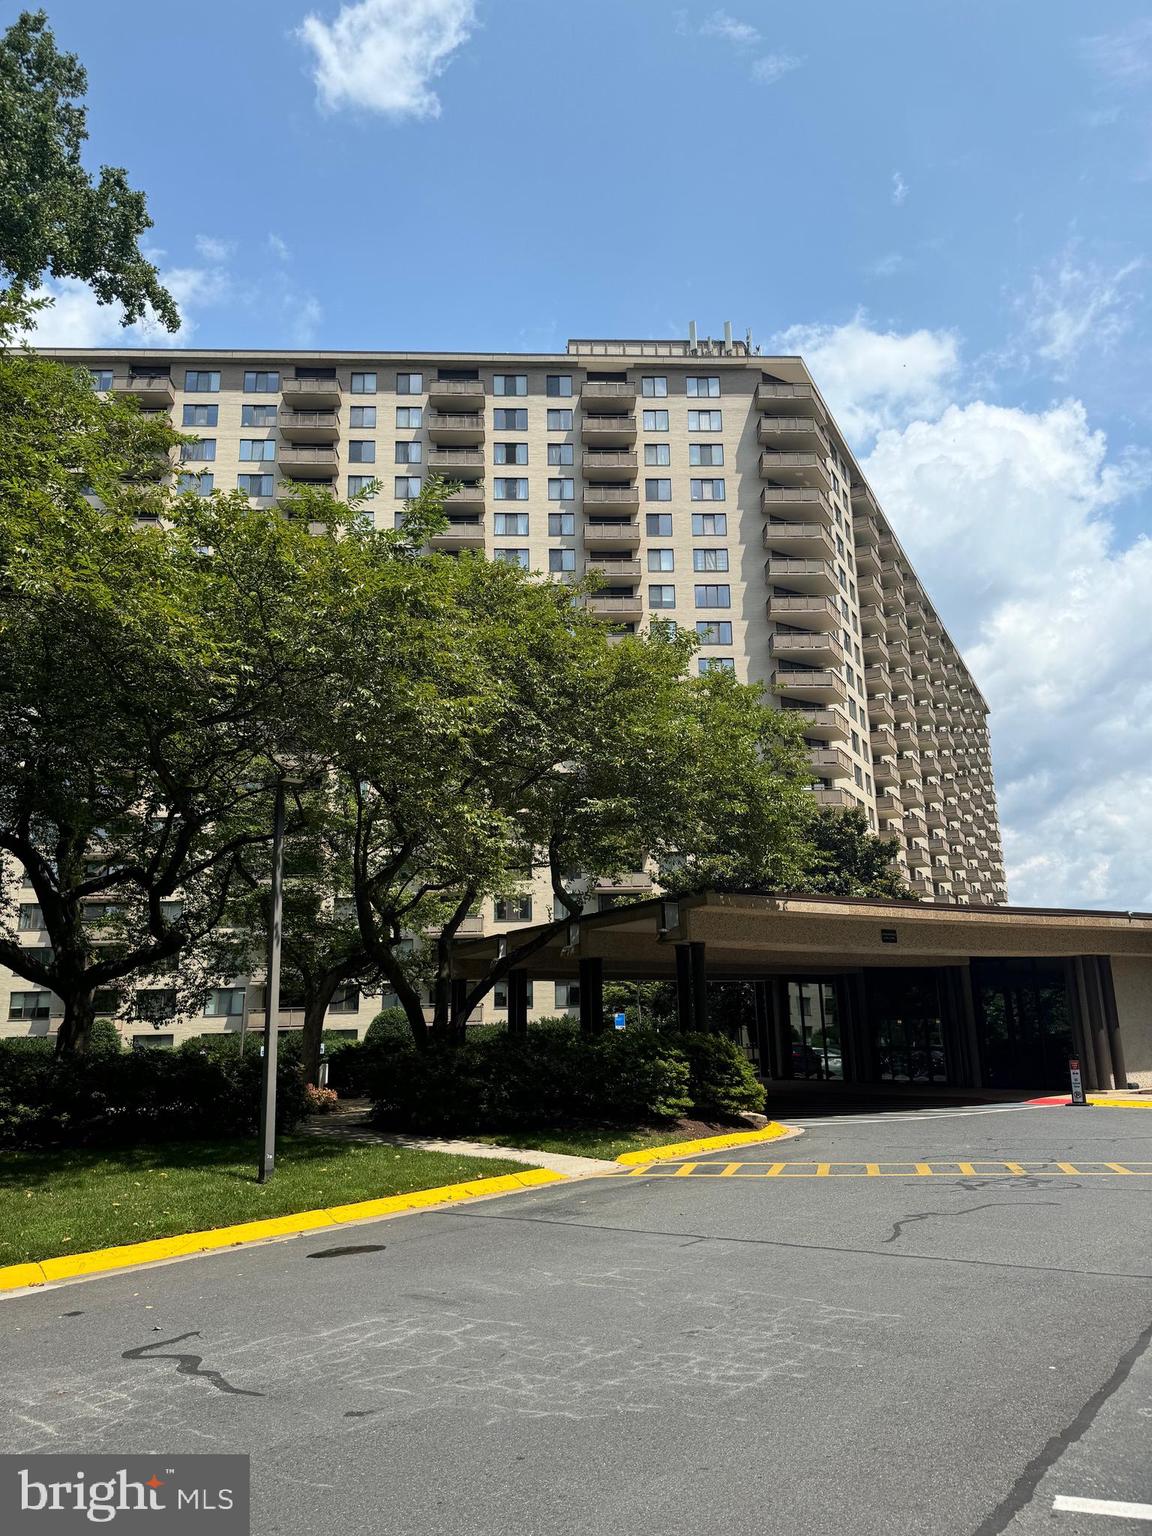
809,612
311,394
780,399
803,432
309,426
465,533
804,503
468,498
828,724
608,431
152,391
601,394
875,648
303,461
863,500
787,466
819,685
623,608
830,763
868,558
612,535
613,570
816,648
457,463
813,576
455,428
880,711
621,497
833,799
456,394
809,541
608,463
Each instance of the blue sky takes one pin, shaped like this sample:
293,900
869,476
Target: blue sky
944,204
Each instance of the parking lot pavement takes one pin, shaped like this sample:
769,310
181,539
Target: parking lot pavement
654,1352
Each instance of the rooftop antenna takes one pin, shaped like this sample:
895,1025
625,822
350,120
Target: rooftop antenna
692,336
728,337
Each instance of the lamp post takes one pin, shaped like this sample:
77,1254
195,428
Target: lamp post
272,996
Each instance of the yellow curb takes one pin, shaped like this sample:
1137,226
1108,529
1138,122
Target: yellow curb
773,1131
20,1276
1106,1103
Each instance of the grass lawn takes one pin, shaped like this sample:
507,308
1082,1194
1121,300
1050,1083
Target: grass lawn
607,1141
55,1203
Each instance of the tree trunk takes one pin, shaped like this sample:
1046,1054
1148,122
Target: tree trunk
311,1036
76,1025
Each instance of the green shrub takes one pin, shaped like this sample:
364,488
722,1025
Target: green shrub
389,1023
722,1082
104,1039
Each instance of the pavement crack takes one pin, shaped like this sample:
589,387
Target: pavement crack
967,1210
187,1365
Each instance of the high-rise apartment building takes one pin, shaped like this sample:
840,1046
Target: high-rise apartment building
705,484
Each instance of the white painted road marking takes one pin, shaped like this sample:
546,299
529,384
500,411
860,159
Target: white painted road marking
1072,1506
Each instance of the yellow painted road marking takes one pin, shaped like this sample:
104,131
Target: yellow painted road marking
1067,1167
873,1170
685,1169
729,1169
1119,1168
984,1168
822,1170
923,1168
774,1169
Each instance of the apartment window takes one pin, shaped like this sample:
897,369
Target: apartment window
409,383
561,559
658,454
507,488
200,382
705,421
661,560
29,1005
345,999
858,774
253,415
500,995
255,485
560,453
658,525
358,484
706,453
558,385
509,418
101,378
201,415
715,664
567,994
655,421
514,909
261,383
224,1002
363,416
509,383
406,453
561,489
510,453
363,383
654,386
257,448
363,451
709,524
200,484
511,524
657,490
661,597
406,415
558,421
707,490
709,559
561,525
159,1003
406,486
512,557
714,597
702,386
714,631
153,1042
203,452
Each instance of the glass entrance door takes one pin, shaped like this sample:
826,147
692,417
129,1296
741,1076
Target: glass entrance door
814,1027
1026,1031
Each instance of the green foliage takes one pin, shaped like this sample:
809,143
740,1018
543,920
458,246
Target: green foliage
647,1004
847,859
135,1096
723,1083
53,217
104,1039
390,1024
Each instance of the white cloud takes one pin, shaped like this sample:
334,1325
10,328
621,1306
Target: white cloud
77,318
1078,303
279,247
744,37
899,188
887,266
772,66
875,379
1124,56
215,250
383,55
741,33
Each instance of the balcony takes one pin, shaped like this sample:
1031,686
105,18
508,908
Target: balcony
863,501
612,569
635,883
801,432
622,498
779,399
875,648
464,533
792,467
601,395
830,763
311,394
882,738
890,805
834,799
912,796
622,609
808,612
819,649
919,857
880,710
151,391
920,886
457,463
619,534
455,429
304,462
803,503
818,685
309,426
456,394
828,724
608,464
872,620
469,498
885,772
869,587
608,431
816,577
808,541
868,559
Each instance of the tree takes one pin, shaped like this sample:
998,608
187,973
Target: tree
53,217
848,859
